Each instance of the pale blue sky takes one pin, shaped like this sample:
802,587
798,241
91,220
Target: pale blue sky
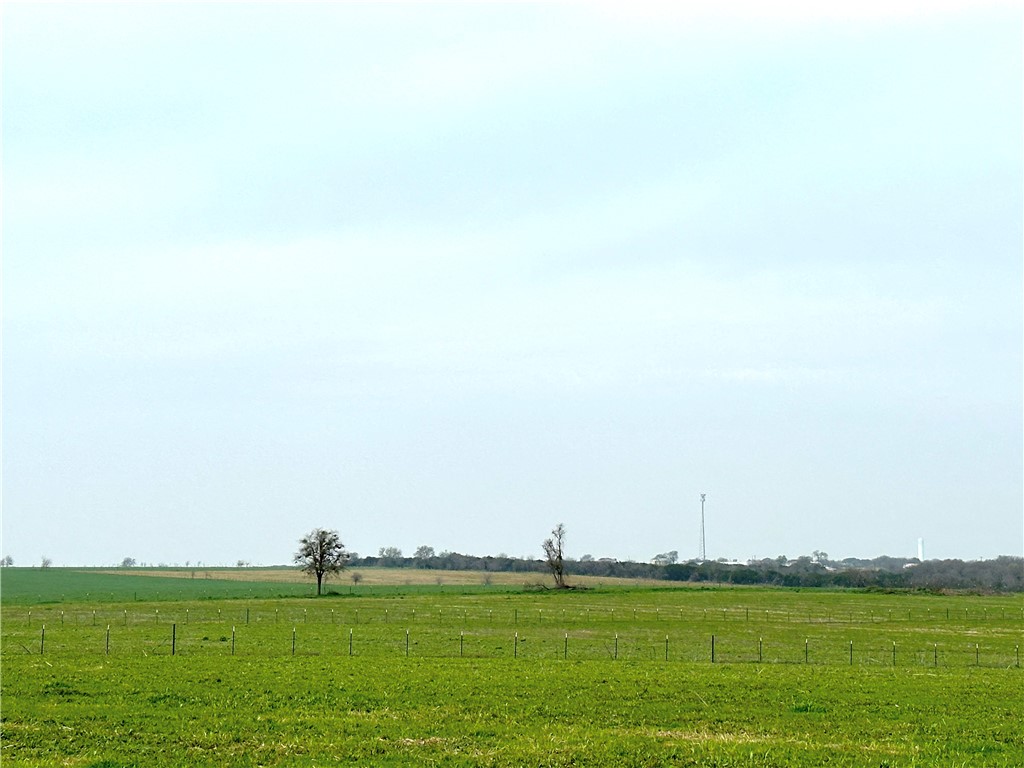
449,275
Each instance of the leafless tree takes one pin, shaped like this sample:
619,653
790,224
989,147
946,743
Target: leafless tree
390,556
321,553
553,553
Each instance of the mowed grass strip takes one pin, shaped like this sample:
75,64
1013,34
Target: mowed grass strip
38,586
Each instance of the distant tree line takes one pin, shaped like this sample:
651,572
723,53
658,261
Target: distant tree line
1003,574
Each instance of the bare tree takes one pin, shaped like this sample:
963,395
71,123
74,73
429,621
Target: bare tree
666,558
553,553
46,562
7,562
321,553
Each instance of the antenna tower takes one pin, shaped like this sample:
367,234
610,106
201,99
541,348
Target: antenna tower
703,554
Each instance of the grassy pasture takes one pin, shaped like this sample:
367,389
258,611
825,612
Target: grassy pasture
428,674
33,586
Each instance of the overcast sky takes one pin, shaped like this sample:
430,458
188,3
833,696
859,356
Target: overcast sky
450,275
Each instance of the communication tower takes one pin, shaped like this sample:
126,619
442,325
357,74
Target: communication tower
703,553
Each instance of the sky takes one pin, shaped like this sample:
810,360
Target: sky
449,275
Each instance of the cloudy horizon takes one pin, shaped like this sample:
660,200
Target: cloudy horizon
450,275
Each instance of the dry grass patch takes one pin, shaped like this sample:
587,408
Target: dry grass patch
386,577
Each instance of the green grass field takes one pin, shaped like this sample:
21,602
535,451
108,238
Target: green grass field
472,676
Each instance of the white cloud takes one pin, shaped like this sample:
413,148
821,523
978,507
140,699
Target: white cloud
793,12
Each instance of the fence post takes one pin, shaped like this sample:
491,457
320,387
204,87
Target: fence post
350,641
760,650
712,649
977,656
851,653
293,641
174,637
805,650
515,647
461,642
108,640
935,654
894,653
666,647
42,640
616,645
565,648
407,643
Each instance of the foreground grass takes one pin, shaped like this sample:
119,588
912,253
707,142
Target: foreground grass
305,711
425,675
